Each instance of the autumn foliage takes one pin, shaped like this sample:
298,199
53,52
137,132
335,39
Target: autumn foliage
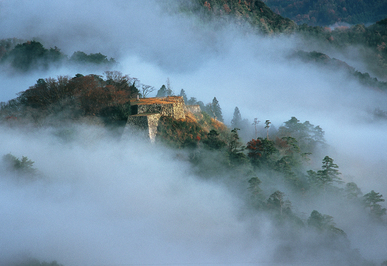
90,95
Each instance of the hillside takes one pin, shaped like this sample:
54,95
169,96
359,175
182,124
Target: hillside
254,12
325,13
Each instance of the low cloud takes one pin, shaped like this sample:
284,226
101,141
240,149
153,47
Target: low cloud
129,202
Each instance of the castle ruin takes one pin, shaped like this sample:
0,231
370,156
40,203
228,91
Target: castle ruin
146,112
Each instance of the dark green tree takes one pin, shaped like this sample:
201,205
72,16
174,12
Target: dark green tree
216,110
277,203
308,136
256,195
20,166
97,58
213,142
235,148
184,95
192,101
327,176
267,126
260,151
352,191
32,55
329,172
371,200
324,223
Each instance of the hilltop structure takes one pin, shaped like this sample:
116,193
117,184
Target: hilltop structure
146,112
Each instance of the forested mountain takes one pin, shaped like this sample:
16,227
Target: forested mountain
229,184
257,14
325,13
254,12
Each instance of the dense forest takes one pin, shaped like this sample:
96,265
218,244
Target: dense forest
212,189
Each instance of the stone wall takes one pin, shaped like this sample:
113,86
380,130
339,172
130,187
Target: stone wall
167,106
146,113
147,123
195,109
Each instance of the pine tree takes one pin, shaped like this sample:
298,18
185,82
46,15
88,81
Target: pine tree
326,176
162,92
216,110
182,94
371,200
236,119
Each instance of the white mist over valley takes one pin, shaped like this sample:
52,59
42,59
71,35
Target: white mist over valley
104,200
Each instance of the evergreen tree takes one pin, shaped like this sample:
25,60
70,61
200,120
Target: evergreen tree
267,123
327,176
277,203
323,222
216,110
235,148
182,94
192,101
371,200
213,142
352,191
236,119
162,92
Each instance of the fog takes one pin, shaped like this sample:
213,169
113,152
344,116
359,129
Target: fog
107,202
127,203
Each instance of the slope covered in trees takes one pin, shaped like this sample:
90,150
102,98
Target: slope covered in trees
254,12
17,56
325,13
265,21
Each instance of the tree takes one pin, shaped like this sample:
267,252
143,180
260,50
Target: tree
163,92
146,89
192,101
277,202
324,223
267,126
327,176
371,200
235,148
213,142
14,164
216,110
182,94
352,191
260,151
307,135
256,196
236,119
97,58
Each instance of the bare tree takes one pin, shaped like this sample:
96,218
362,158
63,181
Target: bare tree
146,89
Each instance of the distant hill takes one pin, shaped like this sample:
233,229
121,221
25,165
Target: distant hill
264,20
373,39
329,12
18,56
254,12
335,64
